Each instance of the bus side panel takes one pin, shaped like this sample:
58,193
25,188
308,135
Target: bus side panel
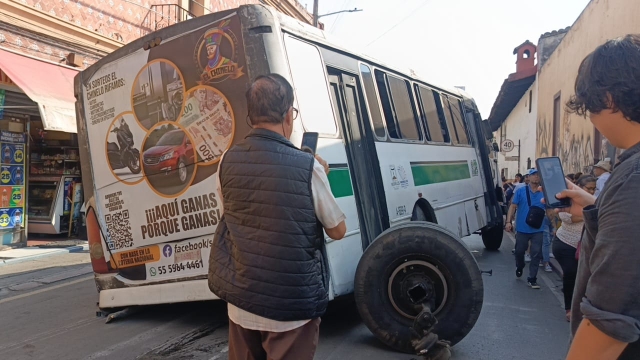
446,176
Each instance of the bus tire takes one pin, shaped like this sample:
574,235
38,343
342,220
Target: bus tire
426,253
492,237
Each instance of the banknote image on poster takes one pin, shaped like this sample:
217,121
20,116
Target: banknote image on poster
157,94
124,138
168,159
208,119
216,54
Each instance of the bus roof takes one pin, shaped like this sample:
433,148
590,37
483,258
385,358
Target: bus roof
317,35
287,23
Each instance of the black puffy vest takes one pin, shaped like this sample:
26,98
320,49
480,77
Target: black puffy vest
266,258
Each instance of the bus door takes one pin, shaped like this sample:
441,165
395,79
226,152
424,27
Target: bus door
348,104
315,98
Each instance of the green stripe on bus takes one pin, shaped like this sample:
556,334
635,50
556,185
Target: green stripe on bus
340,182
425,174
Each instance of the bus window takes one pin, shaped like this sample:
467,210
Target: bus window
436,127
310,86
443,119
448,116
374,109
458,121
385,101
398,110
405,116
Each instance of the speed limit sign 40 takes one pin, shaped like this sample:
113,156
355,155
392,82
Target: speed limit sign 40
507,145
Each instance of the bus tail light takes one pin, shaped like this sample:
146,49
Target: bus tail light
96,252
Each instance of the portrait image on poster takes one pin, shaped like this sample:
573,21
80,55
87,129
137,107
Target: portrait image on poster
208,118
123,142
217,54
168,159
158,93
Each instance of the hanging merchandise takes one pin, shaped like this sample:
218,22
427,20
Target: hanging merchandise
12,179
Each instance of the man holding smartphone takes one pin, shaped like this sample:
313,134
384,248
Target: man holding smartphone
523,201
266,260
605,311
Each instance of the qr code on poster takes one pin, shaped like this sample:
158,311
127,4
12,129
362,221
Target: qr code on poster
119,230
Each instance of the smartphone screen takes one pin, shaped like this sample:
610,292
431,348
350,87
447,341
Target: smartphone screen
309,142
553,181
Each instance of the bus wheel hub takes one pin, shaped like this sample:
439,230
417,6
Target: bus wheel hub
414,284
420,292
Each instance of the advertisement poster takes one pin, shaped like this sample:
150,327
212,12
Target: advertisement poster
165,116
2,100
12,175
12,153
68,192
12,150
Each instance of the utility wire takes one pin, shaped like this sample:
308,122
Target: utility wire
335,22
413,12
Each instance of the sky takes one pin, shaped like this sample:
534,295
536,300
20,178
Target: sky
448,42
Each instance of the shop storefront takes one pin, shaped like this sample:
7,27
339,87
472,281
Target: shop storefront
40,175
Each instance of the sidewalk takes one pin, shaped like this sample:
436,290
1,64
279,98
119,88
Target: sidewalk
34,250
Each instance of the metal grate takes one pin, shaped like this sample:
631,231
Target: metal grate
163,15
151,160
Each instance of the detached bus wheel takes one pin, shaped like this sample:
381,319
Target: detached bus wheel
413,264
492,237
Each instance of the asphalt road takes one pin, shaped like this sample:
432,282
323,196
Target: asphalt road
48,311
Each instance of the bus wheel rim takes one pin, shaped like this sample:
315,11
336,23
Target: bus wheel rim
417,273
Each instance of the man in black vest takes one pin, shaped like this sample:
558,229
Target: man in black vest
266,261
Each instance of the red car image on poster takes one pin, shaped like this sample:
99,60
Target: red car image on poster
172,156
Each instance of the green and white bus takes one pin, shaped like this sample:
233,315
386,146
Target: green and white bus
409,165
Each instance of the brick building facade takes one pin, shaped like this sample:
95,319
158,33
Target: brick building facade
51,29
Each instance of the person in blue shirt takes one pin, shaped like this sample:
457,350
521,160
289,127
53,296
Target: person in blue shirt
526,233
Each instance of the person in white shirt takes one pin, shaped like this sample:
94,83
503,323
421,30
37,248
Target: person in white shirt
266,260
565,245
602,171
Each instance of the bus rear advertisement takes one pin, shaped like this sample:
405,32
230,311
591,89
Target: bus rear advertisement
410,167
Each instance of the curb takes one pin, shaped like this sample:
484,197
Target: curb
70,249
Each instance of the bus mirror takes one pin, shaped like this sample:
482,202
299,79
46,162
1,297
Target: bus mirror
486,128
496,148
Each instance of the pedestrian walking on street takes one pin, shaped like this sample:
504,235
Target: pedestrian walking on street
527,202
508,189
524,180
266,260
548,232
602,171
565,244
605,311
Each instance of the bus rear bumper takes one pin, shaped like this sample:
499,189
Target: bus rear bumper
184,291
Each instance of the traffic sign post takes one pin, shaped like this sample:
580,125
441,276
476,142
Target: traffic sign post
507,145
